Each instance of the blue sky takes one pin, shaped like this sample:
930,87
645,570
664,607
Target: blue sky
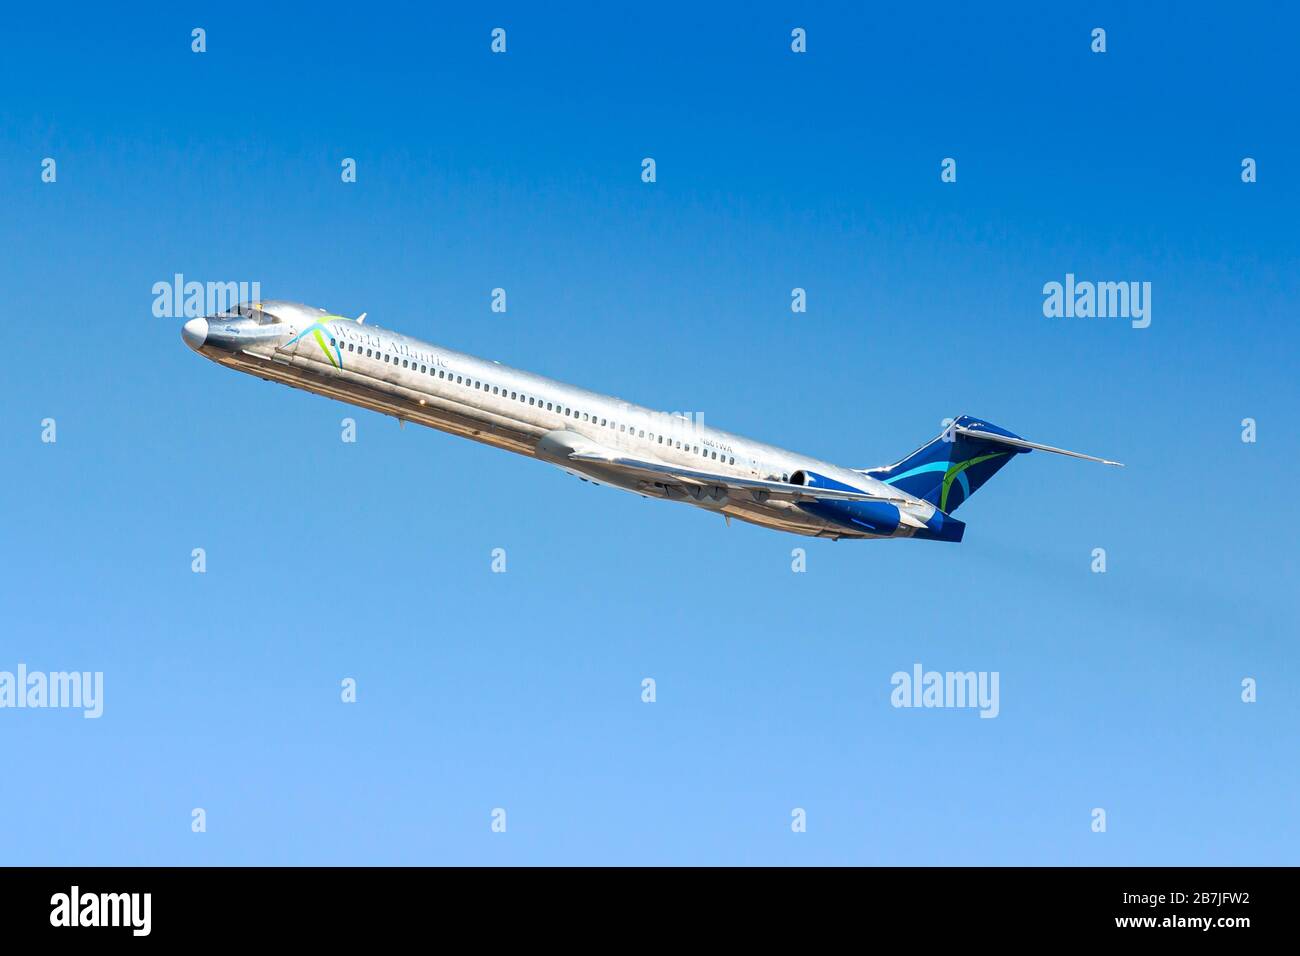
522,690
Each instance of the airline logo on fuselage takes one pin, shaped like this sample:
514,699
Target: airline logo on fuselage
365,339
324,337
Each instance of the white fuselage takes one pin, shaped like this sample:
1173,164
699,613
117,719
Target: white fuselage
416,381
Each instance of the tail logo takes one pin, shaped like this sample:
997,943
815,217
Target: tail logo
954,471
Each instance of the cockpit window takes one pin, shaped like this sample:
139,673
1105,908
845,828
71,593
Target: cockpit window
255,312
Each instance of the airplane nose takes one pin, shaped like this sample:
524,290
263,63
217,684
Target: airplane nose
195,332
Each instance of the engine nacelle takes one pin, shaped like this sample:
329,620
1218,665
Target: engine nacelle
873,517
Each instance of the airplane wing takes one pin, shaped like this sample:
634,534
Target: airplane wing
760,490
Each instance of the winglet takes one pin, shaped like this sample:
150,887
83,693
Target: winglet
362,317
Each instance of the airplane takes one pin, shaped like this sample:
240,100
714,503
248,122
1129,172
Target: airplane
606,440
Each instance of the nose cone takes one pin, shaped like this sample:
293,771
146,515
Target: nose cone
195,332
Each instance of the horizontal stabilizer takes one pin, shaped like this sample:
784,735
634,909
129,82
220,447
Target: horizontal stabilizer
1021,443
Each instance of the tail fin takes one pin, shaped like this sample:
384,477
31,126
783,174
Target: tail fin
950,468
